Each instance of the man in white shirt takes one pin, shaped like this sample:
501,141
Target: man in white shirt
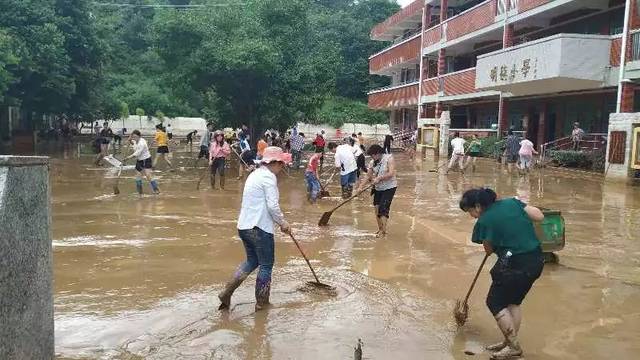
259,214
143,162
458,152
345,162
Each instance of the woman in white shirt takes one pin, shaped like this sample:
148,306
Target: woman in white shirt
259,214
143,162
458,153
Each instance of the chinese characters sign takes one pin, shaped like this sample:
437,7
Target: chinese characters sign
526,69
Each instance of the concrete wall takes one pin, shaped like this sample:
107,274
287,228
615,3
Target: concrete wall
621,122
26,294
369,131
180,126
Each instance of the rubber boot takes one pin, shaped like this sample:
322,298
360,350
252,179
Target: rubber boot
154,186
230,287
263,289
213,181
349,190
139,186
506,325
222,182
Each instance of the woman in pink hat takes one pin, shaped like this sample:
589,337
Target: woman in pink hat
259,213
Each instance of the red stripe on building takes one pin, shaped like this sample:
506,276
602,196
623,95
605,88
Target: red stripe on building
406,96
473,20
430,87
614,58
397,17
525,5
431,36
402,53
463,82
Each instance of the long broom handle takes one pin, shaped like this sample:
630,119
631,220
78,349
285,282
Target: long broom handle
352,197
239,157
475,278
304,256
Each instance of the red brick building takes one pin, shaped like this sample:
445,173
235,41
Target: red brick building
533,65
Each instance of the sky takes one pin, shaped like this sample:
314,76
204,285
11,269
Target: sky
404,3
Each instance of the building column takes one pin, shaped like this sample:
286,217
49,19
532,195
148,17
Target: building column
444,5
507,36
541,125
628,90
503,120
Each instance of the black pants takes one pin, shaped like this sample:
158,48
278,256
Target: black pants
513,280
218,165
382,199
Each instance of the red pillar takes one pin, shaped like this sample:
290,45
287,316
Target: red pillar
503,121
442,62
628,90
541,125
444,4
507,36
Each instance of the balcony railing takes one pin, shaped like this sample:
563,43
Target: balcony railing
379,30
431,36
396,54
526,5
394,97
635,46
460,82
430,87
471,20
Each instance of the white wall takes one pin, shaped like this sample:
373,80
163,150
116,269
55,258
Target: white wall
180,126
369,131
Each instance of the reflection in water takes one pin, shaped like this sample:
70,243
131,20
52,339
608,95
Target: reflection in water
137,277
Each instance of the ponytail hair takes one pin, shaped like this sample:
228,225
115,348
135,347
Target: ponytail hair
484,197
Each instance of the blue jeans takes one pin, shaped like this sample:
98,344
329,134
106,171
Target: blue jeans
297,155
348,179
259,248
313,185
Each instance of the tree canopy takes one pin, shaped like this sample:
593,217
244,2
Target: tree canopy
266,63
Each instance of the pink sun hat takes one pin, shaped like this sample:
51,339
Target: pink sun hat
274,153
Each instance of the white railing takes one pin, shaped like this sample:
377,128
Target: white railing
635,46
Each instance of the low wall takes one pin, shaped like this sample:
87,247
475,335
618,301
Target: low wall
370,132
26,293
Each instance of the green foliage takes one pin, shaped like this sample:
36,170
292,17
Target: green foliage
490,147
124,110
570,158
337,111
266,63
139,112
160,116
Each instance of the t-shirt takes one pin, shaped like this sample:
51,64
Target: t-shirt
526,148
314,162
458,145
345,160
161,138
507,227
261,146
474,147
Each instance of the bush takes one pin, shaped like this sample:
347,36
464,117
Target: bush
571,158
490,147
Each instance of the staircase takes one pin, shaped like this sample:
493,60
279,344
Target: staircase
590,143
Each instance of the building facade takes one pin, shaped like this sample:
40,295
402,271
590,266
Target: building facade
536,66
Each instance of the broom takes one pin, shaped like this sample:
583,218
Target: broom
461,311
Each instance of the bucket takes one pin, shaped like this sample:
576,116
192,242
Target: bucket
551,231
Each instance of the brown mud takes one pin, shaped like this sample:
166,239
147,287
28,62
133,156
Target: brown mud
138,277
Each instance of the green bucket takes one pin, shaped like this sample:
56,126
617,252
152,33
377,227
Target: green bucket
551,231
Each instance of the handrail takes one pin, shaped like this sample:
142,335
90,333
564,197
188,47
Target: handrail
393,87
590,138
468,10
395,45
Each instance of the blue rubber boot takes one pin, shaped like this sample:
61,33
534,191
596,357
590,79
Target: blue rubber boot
139,186
154,186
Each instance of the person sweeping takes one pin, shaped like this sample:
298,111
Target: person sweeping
382,173
259,213
218,153
312,178
143,162
505,228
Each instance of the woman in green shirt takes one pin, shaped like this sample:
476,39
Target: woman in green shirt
474,151
505,228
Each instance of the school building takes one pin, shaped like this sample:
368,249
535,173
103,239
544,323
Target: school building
536,66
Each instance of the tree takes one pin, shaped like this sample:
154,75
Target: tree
124,111
140,113
160,116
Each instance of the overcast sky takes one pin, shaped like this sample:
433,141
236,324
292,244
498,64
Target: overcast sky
404,3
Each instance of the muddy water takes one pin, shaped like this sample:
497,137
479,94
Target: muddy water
137,277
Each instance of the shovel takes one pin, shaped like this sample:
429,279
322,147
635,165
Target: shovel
323,191
316,283
324,220
461,311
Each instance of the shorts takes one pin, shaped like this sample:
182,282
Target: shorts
512,158
474,154
382,199
144,164
163,149
204,152
218,164
511,283
362,165
348,179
